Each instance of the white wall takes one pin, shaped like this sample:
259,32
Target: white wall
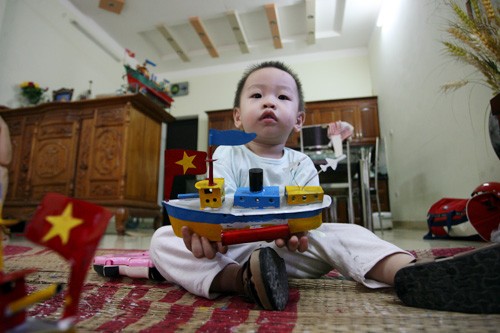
437,144
38,43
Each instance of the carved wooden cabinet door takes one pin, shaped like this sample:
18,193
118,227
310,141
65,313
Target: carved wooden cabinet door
144,140
119,156
21,136
53,154
100,167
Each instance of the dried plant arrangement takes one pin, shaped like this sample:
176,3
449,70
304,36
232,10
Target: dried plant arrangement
475,40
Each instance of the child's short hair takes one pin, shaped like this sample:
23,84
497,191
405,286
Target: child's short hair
275,64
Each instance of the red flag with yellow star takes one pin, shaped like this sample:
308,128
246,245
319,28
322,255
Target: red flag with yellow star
182,162
72,228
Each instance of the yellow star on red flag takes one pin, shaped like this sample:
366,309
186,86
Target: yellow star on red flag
52,226
62,224
186,162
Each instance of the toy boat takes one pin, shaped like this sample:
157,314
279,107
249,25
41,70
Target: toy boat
255,213
233,225
149,87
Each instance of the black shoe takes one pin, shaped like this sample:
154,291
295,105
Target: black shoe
265,279
468,282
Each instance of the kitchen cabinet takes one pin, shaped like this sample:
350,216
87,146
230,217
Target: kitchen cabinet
362,113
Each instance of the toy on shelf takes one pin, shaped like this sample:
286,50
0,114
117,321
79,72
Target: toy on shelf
70,227
140,79
255,213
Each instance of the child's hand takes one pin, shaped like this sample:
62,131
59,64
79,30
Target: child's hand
201,247
297,242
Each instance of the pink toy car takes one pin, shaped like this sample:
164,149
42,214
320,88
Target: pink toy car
133,264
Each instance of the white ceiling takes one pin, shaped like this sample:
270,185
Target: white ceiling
339,25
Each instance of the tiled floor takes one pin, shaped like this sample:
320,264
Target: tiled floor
408,239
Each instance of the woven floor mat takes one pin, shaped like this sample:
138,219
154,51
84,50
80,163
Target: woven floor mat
330,304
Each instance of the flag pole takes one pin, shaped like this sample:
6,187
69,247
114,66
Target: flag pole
210,166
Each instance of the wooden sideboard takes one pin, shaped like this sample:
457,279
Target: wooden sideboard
105,151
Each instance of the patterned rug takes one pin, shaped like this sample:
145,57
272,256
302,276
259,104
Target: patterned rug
330,304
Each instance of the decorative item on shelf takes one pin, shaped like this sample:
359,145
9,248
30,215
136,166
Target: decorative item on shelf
475,42
32,93
179,89
141,80
87,94
62,95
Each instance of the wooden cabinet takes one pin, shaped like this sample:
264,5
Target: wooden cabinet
221,120
362,113
105,151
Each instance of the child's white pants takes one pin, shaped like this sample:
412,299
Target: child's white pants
351,249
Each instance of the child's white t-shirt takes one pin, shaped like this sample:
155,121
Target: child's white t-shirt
233,162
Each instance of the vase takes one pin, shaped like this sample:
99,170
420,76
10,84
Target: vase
33,100
494,124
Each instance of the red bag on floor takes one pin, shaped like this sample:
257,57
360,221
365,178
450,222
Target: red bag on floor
477,217
483,210
447,218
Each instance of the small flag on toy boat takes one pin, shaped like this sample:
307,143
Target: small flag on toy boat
149,62
130,53
229,137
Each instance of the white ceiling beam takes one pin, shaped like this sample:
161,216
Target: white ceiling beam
339,16
203,34
173,43
272,19
311,21
239,33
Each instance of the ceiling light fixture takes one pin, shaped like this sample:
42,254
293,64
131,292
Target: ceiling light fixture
114,6
238,31
272,18
203,34
173,43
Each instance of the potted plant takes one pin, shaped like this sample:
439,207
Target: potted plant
32,92
475,40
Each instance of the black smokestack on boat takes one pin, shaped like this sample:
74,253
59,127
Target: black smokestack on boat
256,178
